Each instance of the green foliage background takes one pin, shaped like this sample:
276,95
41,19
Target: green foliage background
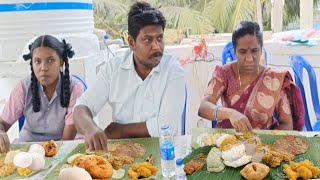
185,17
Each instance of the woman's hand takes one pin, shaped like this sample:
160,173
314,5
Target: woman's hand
239,121
95,139
4,143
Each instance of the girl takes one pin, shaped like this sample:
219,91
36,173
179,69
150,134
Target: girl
46,97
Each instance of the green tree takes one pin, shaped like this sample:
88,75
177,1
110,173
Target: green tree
193,16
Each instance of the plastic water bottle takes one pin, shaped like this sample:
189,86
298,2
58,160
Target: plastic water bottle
167,152
180,174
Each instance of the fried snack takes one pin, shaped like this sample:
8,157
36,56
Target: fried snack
315,170
133,174
195,164
304,172
96,166
144,172
304,169
274,158
291,144
255,171
50,147
23,171
7,169
143,169
292,175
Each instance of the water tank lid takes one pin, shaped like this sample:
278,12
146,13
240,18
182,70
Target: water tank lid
36,6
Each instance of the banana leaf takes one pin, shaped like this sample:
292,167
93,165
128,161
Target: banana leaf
230,173
152,146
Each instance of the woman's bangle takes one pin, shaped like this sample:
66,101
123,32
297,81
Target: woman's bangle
215,112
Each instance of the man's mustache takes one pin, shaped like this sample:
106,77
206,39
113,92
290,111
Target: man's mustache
156,54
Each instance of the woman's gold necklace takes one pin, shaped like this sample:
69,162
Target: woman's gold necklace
239,78
239,75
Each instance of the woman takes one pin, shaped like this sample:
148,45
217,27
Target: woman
251,93
46,98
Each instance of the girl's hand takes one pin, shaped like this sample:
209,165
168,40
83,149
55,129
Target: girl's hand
4,143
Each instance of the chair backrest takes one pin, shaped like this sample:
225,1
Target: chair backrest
81,80
183,117
298,63
213,124
228,53
22,118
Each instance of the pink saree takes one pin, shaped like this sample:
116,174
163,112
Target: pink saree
272,91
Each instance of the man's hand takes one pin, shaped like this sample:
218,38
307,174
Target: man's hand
239,121
95,139
4,143
114,130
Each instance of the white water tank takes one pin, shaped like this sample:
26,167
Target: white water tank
21,20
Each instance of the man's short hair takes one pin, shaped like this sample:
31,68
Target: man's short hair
141,14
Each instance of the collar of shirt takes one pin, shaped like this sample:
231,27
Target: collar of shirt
129,64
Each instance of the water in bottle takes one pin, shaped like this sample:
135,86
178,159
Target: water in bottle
167,152
180,174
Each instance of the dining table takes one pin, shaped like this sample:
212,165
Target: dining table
182,149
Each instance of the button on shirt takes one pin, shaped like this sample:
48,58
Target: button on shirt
157,100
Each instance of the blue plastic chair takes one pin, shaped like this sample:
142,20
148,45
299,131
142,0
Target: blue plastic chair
183,117
228,53
214,123
298,63
22,118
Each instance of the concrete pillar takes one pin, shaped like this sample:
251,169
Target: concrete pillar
259,14
306,14
277,15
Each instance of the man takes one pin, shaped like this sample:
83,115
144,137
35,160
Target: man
144,86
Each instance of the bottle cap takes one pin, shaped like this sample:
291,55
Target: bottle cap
106,36
179,162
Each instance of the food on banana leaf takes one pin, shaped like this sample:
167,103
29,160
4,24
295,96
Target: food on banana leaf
214,160
255,171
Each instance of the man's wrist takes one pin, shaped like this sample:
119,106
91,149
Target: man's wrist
122,128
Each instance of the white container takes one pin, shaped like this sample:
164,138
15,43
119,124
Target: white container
21,20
